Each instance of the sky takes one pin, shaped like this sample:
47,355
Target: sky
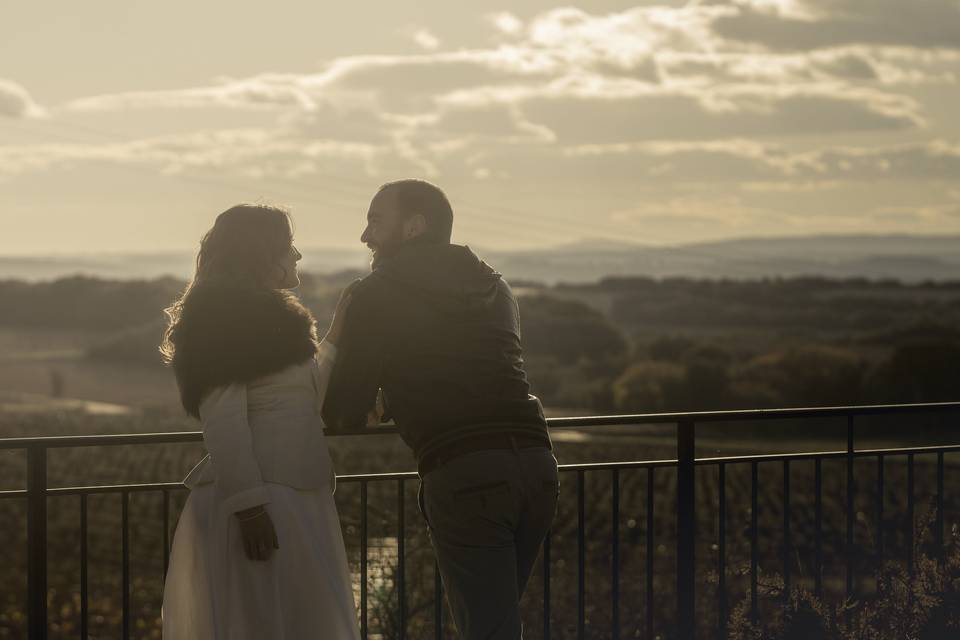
126,125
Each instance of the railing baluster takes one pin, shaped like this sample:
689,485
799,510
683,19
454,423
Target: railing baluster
84,615
938,533
125,553
851,488
754,551
880,491
437,603
363,559
401,559
546,586
722,550
650,553
581,557
818,527
910,513
37,542
686,525
615,555
166,532
787,546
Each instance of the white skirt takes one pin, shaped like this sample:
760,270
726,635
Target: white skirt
214,592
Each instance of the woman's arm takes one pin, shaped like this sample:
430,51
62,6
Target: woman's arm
327,352
227,436
335,332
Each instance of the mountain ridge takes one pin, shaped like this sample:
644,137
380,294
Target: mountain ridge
908,257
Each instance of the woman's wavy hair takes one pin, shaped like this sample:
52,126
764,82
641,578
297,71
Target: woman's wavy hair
242,249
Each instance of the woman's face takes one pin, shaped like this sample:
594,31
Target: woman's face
287,277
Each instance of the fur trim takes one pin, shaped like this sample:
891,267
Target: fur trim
230,334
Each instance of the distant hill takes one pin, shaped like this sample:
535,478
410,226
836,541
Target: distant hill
904,257
143,266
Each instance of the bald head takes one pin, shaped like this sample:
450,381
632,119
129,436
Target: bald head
418,197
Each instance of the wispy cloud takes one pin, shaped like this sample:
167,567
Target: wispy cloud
505,22
242,149
825,23
15,101
425,39
745,159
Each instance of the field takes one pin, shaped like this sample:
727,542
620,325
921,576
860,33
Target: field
385,453
631,345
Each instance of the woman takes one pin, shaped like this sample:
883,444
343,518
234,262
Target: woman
258,552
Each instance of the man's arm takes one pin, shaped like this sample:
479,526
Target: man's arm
355,379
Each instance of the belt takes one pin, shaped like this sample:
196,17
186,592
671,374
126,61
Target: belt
458,448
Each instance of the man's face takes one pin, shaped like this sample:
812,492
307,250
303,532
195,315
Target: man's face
385,228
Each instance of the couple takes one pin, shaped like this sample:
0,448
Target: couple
258,551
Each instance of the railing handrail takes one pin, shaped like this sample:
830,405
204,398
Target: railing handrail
582,466
99,440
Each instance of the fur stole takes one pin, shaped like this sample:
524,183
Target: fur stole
230,334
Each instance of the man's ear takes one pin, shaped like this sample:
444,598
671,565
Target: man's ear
414,226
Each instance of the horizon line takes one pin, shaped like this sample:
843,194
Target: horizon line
357,247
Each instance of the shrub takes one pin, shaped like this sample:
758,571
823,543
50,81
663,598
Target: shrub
922,605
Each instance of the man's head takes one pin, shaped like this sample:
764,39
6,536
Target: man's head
403,210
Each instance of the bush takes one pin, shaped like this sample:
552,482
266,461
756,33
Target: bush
568,331
923,605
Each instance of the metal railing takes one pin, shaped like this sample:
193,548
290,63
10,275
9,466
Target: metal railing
37,492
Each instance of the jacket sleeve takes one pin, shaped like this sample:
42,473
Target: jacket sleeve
357,373
227,436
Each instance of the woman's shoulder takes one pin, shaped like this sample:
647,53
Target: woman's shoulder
238,334
243,309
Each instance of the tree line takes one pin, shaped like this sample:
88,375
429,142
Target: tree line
627,344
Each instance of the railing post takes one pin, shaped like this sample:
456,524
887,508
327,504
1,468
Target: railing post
686,534
37,542
851,508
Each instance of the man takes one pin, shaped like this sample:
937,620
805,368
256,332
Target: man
438,331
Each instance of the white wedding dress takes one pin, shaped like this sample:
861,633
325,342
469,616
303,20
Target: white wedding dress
266,442
213,591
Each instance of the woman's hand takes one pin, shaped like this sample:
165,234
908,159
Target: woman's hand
375,415
336,325
259,536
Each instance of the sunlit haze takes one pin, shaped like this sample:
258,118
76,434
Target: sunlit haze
126,126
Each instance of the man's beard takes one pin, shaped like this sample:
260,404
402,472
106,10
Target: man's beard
386,250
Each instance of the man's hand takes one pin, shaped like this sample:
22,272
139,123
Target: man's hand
259,536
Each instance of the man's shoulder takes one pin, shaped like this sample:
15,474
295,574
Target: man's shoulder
370,285
369,293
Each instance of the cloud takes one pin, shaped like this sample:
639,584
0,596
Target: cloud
15,101
816,24
579,96
646,59
425,39
729,213
730,113
762,166
259,92
935,160
505,22
241,149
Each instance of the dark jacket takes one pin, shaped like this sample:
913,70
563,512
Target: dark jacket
438,330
